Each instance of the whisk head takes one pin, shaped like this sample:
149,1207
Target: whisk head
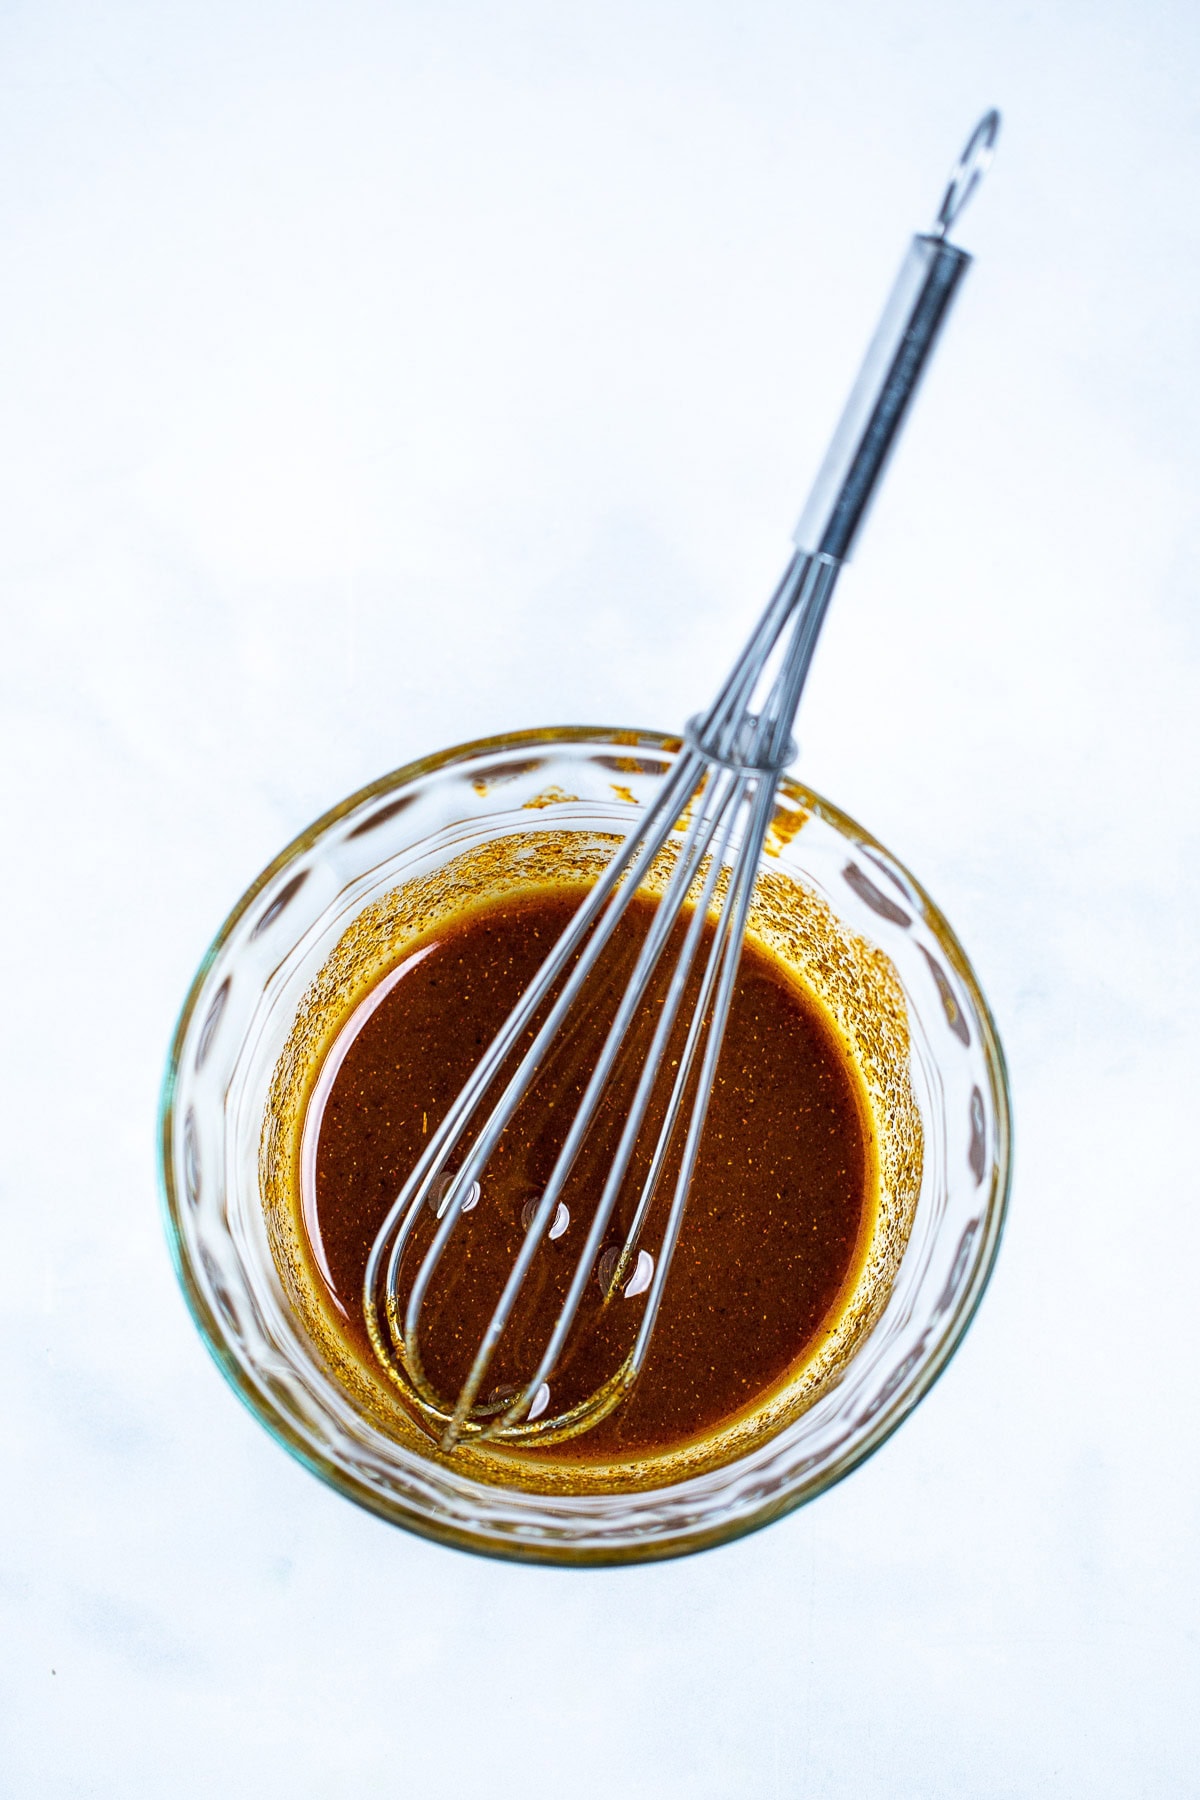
552,1194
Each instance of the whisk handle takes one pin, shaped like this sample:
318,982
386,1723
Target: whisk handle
912,320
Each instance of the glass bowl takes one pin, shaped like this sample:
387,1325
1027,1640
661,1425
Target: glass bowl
237,1018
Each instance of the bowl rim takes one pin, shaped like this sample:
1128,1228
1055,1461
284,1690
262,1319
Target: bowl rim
683,1543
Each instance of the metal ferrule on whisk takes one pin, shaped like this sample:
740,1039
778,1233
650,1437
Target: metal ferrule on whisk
711,818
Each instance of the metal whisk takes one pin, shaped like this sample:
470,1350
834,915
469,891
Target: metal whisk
722,791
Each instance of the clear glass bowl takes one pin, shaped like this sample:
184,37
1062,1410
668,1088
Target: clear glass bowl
236,1020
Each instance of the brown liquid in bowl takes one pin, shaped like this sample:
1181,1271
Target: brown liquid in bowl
780,1210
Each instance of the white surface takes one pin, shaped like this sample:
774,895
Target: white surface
376,376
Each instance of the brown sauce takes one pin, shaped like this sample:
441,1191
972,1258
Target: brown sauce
779,1211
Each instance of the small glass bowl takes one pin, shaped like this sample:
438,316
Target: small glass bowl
236,1020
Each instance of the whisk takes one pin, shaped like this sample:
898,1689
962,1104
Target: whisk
709,821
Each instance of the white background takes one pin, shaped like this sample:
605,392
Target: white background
377,376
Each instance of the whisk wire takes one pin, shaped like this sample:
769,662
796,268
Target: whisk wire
734,694
773,735
703,822
733,920
632,1128
701,913
390,1241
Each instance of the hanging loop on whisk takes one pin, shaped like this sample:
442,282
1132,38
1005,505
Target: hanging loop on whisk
968,172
